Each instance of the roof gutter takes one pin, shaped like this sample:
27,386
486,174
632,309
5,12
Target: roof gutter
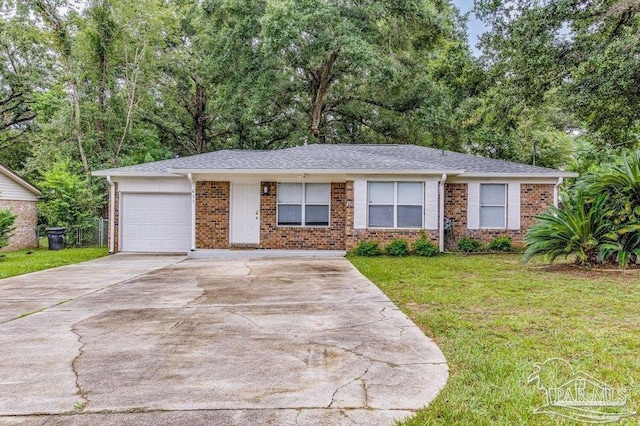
193,211
115,173
441,211
555,192
112,214
551,174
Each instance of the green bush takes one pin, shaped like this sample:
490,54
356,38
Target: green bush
599,221
503,243
68,200
423,247
469,245
367,248
7,219
580,228
398,247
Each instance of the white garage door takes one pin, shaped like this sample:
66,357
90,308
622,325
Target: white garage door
156,223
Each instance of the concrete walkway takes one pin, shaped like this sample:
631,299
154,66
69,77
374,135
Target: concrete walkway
159,340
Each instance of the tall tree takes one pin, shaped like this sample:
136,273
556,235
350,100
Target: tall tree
24,62
324,71
588,50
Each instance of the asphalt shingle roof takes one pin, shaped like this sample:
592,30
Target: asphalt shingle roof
336,157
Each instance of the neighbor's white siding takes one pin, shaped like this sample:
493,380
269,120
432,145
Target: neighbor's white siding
11,190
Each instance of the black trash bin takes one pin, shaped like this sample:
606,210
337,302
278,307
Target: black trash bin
56,238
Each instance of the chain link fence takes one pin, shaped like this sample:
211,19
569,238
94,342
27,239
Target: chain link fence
95,235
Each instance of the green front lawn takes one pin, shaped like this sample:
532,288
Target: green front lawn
24,261
494,318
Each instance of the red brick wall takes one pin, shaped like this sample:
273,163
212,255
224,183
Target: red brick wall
455,209
116,227
212,215
314,238
534,199
26,223
382,236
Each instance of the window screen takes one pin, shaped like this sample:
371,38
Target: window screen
493,201
303,204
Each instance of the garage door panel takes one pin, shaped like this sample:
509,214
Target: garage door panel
156,222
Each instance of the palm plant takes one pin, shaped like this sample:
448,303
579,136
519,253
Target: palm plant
623,250
622,183
580,228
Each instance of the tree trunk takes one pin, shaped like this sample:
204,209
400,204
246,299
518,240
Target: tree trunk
78,124
132,85
321,80
200,118
102,88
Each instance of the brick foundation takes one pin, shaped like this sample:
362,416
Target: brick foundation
26,223
212,215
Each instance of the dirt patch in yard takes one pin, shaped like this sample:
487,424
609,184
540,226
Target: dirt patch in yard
622,276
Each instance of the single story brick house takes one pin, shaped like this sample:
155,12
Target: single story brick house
323,197
21,197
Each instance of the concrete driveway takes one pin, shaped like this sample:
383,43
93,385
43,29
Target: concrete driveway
164,340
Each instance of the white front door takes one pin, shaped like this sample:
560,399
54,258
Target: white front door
245,213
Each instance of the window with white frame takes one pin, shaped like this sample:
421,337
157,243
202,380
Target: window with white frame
395,204
303,204
493,206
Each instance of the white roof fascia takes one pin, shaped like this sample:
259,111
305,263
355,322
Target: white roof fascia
113,174
549,175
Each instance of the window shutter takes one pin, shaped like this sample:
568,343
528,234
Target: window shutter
513,205
431,205
473,205
359,204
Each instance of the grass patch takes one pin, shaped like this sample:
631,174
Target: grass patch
24,261
494,318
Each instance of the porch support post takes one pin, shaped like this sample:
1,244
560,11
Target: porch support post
441,212
193,211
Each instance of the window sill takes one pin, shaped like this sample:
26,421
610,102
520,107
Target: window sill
370,228
302,227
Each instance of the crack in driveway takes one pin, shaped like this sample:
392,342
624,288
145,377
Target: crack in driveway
78,406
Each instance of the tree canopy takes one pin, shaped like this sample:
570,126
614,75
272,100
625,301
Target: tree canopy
105,83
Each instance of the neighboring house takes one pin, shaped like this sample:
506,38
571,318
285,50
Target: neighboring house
326,197
19,196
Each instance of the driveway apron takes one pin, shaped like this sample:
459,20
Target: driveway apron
163,340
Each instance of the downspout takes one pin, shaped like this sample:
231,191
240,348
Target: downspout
555,192
441,212
193,211
112,214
